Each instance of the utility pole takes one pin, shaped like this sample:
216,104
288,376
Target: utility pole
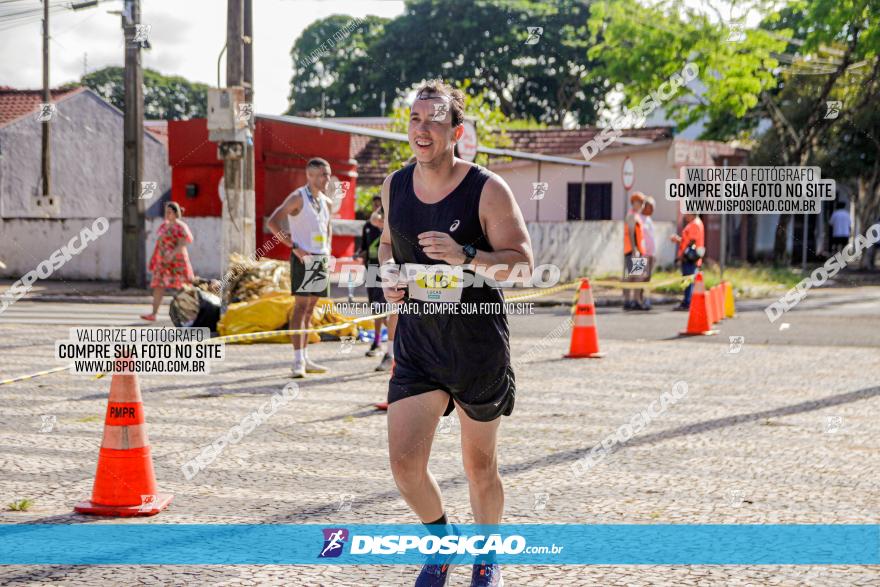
47,99
238,206
248,52
249,163
133,233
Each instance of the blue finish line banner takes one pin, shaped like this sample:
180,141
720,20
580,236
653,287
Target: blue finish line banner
410,544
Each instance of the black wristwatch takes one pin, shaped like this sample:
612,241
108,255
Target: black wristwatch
470,251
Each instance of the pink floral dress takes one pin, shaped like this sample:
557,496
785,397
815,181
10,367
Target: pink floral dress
175,272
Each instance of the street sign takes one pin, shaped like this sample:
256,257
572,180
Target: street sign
628,173
467,146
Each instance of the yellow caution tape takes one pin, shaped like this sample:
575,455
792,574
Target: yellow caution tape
272,333
641,284
33,375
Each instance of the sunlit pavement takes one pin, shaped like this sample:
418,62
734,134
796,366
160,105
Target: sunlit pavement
783,431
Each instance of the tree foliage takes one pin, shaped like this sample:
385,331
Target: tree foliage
165,97
803,55
527,74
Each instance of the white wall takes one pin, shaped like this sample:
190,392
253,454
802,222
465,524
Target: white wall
86,161
652,170
26,242
590,248
86,167
204,252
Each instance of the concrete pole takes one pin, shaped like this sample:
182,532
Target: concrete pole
133,232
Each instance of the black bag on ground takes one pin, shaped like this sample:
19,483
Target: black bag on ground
195,308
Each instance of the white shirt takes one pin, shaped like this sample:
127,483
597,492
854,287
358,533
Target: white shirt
648,235
309,229
840,223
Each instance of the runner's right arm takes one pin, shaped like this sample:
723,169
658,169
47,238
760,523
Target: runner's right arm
291,206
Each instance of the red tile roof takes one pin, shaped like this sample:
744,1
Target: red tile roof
373,166
15,104
159,129
559,141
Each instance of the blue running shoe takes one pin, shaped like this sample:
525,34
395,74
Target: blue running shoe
433,575
487,575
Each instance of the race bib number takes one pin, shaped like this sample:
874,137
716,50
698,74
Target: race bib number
434,283
318,241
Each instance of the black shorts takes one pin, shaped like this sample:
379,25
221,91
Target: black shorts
313,280
633,271
375,295
468,357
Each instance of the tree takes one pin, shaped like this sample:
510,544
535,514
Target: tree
332,72
838,37
527,73
851,150
640,46
165,97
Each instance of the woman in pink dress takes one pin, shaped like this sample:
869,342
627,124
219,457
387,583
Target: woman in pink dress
170,264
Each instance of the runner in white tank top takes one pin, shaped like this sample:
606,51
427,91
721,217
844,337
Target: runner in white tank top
308,219
309,229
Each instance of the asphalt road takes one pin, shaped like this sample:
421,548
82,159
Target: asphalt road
784,431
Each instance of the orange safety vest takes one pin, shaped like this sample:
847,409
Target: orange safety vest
640,240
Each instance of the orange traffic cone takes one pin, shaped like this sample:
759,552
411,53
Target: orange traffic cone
710,307
125,484
698,317
584,337
712,298
729,308
710,304
719,301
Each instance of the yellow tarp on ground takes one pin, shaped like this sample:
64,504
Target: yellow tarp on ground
272,311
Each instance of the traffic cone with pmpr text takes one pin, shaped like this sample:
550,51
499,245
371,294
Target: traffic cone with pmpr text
584,336
125,484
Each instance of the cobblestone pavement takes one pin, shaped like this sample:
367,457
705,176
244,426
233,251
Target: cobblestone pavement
772,434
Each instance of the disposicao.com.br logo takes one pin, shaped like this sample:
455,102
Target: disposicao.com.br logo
454,543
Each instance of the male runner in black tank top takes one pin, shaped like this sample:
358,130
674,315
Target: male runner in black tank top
442,210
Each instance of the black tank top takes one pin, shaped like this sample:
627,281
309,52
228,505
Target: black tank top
457,215
463,351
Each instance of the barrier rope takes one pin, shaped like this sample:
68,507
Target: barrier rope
34,375
233,338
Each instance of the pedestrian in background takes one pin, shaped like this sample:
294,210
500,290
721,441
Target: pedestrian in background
170,264
691,248
369,252
650,246
634,253
841,226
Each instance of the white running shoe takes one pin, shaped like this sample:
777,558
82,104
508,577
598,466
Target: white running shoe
298,371
313,367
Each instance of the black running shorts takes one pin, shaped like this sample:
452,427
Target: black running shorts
311,280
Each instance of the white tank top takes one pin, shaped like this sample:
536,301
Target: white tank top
308,229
